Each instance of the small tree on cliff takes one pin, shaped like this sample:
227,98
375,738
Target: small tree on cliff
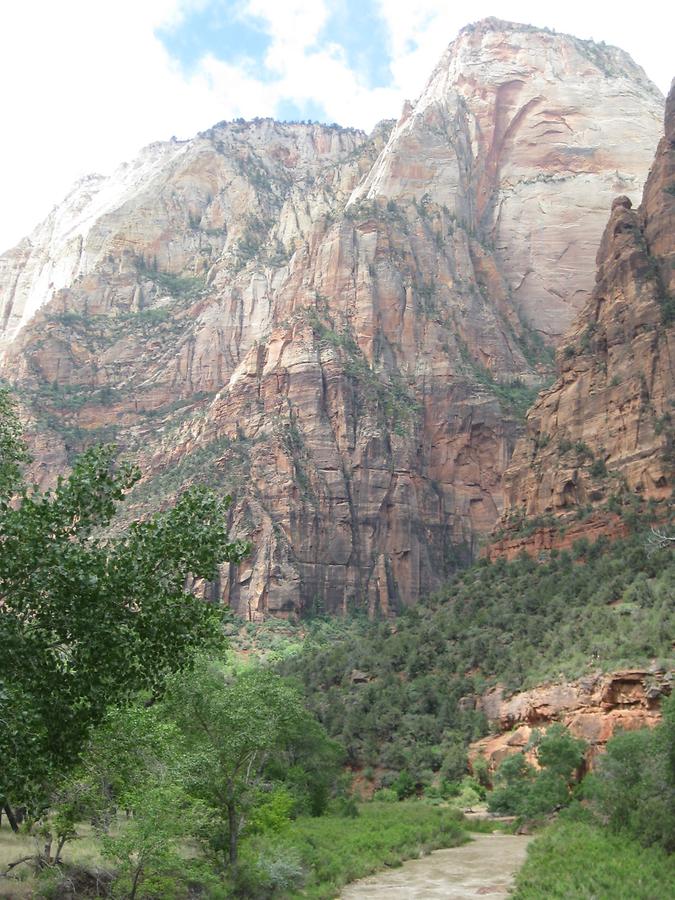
87,620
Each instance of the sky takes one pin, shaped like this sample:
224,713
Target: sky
87,83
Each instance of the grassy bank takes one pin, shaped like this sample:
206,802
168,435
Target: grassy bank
312,858
332,851
586,862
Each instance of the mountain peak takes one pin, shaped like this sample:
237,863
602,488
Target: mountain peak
515,119
491,45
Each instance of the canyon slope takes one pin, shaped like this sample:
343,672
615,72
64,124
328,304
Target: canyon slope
602,436
342,331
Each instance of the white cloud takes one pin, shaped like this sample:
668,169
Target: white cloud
294,24
86,84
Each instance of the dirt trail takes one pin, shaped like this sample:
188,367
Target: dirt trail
485,867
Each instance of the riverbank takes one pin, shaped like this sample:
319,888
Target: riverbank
334,851
309,857
578,859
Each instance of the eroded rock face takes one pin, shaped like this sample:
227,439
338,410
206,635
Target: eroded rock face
593,708
605,427
523,134
324,324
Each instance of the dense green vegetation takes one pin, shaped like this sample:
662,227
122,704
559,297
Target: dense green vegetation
232,789
211,781
334,850
598,607
230,782
89,620
632,789
585,861
528,792
619,843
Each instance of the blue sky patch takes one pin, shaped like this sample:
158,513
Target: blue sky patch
292,111
219,29
361,31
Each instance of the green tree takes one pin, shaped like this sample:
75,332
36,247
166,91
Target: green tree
523,790
560,753
244,729
147,850
134,761
90,617
633,787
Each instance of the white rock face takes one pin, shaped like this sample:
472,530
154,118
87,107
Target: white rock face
60,248
141,207
527,136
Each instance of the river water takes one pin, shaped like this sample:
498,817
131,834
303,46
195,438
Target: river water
485,867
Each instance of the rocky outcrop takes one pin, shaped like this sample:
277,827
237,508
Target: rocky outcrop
331,327
604,431
593,708
538,540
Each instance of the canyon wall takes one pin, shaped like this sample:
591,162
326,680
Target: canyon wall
342,331
602,435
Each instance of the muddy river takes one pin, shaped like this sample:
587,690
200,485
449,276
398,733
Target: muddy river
485,867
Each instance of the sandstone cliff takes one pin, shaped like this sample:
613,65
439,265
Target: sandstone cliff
593,708
533,160
603,433
341,330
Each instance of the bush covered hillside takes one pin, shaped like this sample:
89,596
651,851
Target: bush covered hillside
391,691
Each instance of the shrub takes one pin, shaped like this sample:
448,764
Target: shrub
404,785
470,793
481,771
385,795
523,791
633,788
453,766
574,859
598,468
272,870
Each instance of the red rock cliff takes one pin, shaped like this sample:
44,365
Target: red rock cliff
327,325
604,430
593,708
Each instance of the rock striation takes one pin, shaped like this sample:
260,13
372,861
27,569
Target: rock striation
339,330
532,159
604,431
593,708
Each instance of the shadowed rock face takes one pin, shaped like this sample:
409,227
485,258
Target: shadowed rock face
606,426
326,324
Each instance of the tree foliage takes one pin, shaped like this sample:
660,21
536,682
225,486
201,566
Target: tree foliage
247,731
633,787
90,618
523,790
